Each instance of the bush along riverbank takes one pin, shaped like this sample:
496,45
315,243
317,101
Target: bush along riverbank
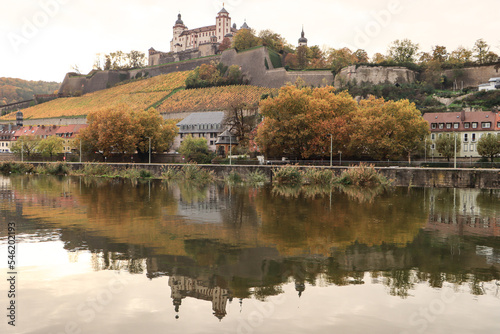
363,175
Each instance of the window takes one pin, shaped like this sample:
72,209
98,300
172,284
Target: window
466,137
466,147
473,137
472,147
486,125
466,125
474,125
211,142
433,125
433,136
441,125
448,125
498,125
433,146
455,125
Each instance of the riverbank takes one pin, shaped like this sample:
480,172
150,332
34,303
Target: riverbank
399,176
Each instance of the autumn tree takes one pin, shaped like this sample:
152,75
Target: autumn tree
439,54
481,49
489,146
387,130
25,145
317,57
122,130
460,56
378,58
445,145
299,121
361,56
50,146
245,39
238,122
272,40
403,51
226,44
340,58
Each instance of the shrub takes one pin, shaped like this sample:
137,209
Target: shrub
16,168
57,168
362,175
193,172
318,176
233,178
170,174
256,177
288,175
95,169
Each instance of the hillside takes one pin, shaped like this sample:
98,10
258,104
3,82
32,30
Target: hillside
165,92
15,90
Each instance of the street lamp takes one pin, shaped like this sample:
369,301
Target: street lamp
340,160
331,149
149,149
455,159
230,149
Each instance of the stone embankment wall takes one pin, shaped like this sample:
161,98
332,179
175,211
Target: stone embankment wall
402,177
374,75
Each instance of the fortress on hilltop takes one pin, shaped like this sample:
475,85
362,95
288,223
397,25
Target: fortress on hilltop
198,42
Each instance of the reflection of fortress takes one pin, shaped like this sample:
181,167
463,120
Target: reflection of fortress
183,286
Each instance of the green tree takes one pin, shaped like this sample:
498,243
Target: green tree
135,59
25,145
403,51
445,145
460,56
196,150
150,124
489,146
50,146
340,58
246,39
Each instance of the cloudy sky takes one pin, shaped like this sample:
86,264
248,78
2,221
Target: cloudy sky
42,39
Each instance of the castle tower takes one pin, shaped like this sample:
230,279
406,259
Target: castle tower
222,24
302,39
177,44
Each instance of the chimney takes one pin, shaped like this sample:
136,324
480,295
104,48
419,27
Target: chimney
463,114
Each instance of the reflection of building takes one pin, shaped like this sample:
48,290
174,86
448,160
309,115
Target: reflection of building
182,287
462,215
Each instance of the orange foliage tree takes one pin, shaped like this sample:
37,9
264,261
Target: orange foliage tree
304,122
299,122
122,130
388,130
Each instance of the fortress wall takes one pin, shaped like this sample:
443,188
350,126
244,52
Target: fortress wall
91,83
473,76
374,75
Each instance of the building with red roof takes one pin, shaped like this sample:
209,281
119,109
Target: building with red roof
470,126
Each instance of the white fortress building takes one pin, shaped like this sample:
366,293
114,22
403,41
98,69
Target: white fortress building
198,42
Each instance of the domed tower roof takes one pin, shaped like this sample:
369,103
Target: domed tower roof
179,21
245,25
302,39
234,26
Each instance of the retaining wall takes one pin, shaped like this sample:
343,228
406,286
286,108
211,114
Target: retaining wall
402,177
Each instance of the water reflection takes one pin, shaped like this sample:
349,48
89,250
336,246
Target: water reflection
217,242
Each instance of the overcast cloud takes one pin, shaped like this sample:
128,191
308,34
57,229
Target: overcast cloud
42,39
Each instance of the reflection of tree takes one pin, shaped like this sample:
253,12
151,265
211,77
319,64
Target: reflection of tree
400,282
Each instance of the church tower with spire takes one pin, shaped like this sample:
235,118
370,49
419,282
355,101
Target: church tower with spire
302,39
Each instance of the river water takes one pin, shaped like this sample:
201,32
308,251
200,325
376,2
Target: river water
121,256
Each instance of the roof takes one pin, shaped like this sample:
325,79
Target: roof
209,117
226,138
245,25
223,10
197,30
73,129
456,117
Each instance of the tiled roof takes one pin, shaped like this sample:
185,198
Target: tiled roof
198,30
210,117
463,117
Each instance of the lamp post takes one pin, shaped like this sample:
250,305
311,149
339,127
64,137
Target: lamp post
80,151
331,149
340,160
425,150
455,159
149,149
230,149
